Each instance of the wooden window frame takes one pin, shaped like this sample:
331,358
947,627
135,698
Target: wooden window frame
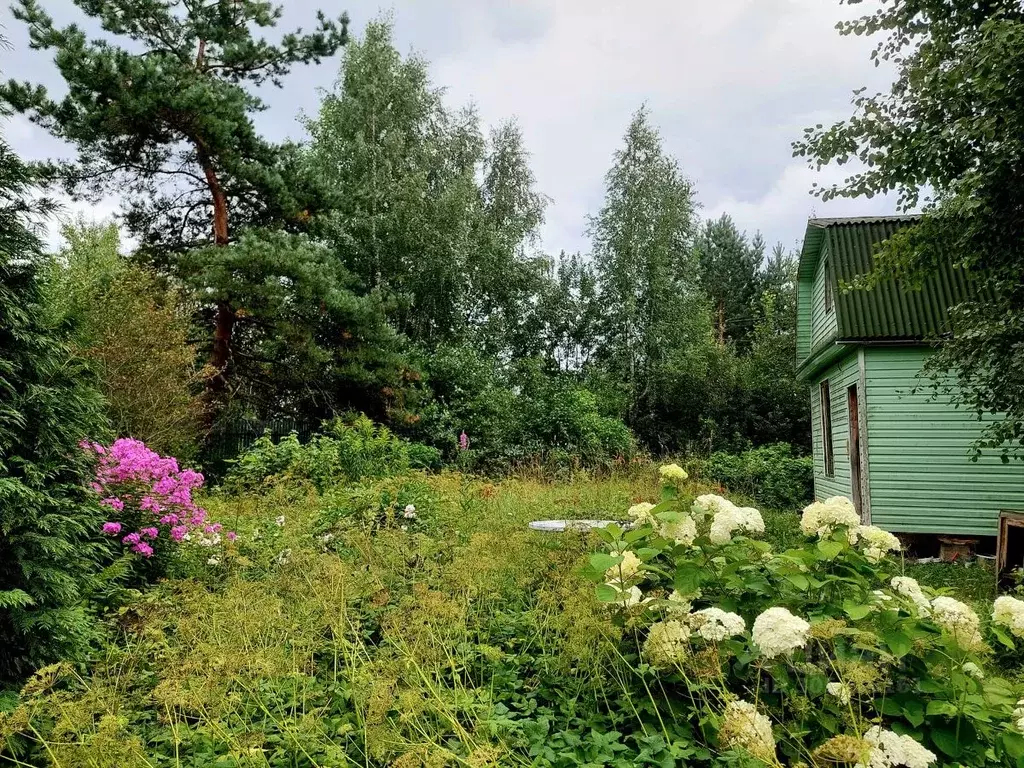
825,403
829,299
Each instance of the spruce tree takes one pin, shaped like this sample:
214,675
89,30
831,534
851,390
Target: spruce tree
49,525
166,118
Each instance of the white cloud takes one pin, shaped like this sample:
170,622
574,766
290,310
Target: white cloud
730,83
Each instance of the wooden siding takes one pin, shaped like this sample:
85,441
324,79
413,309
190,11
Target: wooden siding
922,479
823,324
803,320
841,375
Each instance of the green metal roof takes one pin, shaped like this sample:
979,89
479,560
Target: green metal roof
889,311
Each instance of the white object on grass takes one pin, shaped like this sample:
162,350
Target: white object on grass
557,526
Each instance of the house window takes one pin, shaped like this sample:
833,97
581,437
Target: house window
828,289
825,403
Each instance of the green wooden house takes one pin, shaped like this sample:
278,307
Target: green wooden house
879,434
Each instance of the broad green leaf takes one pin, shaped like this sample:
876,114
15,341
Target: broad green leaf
898,642
798,580
601,561
830,549
938,707
606,594
855,610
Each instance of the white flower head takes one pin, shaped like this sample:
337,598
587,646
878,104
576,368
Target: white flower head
667,643
409,513
876,542
840,691
822,517
909,588
213,561
682,531
708,505
279,520
973,670
284,556
641,515
716,625
889,750
731,518
777,632
672,473
629,567
627,598
1009,612
958,619
678,604
743,727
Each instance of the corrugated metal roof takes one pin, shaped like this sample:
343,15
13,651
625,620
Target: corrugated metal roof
890,310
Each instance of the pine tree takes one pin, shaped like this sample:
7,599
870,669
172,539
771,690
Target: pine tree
167,118
48,524
730,268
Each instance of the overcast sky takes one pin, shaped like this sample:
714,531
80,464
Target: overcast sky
730,83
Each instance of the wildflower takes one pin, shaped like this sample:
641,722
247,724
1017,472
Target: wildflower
132,538
463,441
743,727
280,521
111,529
231,536
973,670
841,691
114,503
629,566
877,542
672,473
732,518
715,625
641,513
150,532
213,560
142,548
958,619
1009,612
683,531
283,556
910,589
667,643
822,517
778,632
410,512
179,533
889,750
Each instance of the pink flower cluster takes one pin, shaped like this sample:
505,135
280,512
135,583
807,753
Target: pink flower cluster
131,475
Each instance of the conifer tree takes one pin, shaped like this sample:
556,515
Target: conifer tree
166,117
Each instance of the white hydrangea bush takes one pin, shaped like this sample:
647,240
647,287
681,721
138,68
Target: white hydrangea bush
823,654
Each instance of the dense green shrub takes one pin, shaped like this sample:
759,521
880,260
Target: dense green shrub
344,452
49,545
772,474
516,415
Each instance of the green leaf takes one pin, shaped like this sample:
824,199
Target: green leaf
606,593
1003,637
601,561
898,642
830,549
938,707
798,580
1014,744
913,710
855,610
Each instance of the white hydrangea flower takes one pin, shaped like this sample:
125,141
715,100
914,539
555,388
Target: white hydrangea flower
910,589
667,643
716,625
822,517
743,727
627,598
731,518
709,504
641,514
682,531
973,670
1009,612
629,567
890,750
840,690
877,542
778,632
958,619
678,603
1018,716
672,473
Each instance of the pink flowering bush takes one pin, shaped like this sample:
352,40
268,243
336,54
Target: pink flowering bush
149,498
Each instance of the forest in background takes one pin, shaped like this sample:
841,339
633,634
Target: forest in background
391,265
